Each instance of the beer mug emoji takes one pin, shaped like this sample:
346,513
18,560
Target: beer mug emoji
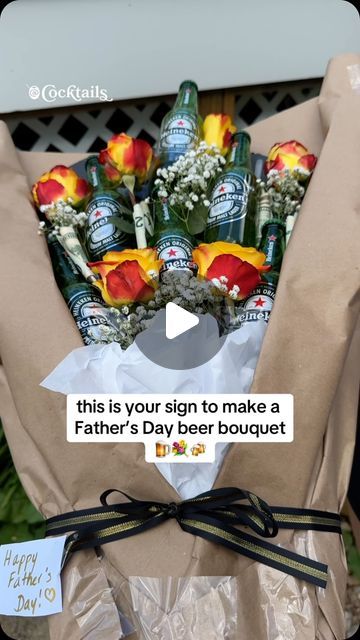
195,450
162,449
202,448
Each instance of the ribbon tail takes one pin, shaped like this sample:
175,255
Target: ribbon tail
258,550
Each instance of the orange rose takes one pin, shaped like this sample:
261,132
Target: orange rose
218,130
129,156
290,155
60,183
127,276
233,269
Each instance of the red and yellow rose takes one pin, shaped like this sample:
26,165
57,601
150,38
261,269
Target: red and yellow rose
218,129
60,183
125,155
127,276
290,155
232,268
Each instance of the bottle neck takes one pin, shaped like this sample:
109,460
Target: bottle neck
94,172
65,272
264,205
273,244
165,215
239,154
187,97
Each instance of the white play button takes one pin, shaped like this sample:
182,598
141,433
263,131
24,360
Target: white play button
178,320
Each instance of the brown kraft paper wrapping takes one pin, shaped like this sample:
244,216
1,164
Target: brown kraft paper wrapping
311,349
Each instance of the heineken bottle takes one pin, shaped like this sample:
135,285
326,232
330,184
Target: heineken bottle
85,303
173,243
101,235
232,211
258,304
180,128
273,243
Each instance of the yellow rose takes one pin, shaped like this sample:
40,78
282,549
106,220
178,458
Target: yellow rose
218,130
60,183
290,155
230,266
129,156
127,276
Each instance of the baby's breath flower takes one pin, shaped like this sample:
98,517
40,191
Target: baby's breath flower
189,180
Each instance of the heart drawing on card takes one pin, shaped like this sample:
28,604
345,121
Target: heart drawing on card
50,594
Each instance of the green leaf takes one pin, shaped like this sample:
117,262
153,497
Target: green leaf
122,224
352,553
19,520
196,222
10,532
129,182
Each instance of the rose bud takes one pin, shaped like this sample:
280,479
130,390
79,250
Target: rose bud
127,276
218,129
233,269
129,156
291,155
60,183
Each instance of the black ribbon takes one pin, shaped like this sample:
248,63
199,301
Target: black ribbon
213,515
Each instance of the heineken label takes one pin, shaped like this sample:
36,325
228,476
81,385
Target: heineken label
229,200
89,313
272,245
102,235
258,305
180,133
176,251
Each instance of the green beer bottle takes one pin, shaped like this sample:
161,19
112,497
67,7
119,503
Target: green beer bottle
181,127
85,304
232,211
101,235
259,303
173,243
273,243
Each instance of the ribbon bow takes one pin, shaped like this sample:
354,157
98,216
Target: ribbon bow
213,515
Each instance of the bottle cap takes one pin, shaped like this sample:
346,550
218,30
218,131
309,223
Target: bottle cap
184,82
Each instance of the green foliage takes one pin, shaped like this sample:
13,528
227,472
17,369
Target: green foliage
352,554
19,520
197,220
122,224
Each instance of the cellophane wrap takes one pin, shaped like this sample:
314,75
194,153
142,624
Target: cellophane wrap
97,369
311,349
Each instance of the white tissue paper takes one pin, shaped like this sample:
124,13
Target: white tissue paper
109,369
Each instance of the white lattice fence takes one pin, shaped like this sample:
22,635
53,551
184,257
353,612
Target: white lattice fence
88,129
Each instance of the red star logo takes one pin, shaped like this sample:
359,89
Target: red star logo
97,214
272,238
180,123
259,302
171,253
222,189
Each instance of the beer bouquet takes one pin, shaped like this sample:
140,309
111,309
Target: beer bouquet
199,224
195,213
